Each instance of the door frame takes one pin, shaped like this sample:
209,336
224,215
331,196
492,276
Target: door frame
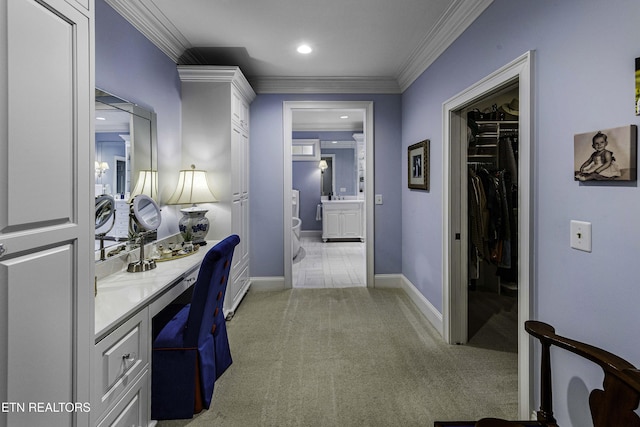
365,107
454,288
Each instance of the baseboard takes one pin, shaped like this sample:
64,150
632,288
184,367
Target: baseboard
399,281
310,233
269,283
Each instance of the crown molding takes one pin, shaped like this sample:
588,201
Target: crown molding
151,22
325,84
318,127
451,25
217,74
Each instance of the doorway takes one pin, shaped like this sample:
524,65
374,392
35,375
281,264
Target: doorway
456,247
365,108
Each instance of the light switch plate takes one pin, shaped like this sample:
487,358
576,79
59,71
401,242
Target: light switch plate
378,199
581,235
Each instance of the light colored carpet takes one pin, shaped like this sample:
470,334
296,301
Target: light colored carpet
351,357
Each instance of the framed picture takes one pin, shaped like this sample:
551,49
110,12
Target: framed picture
637,87
418,165
606,155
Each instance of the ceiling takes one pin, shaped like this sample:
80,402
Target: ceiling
359,46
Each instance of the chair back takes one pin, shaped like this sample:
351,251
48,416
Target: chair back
615,404
209,291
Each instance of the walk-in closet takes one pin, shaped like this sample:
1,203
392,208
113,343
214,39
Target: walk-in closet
492,187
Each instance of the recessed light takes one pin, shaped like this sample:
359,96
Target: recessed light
304,49
334,142
344,117
100,118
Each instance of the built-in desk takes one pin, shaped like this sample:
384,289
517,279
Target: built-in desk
124,308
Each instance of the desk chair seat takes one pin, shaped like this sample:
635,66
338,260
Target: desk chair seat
192,350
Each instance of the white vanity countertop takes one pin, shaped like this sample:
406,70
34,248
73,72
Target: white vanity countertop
122,294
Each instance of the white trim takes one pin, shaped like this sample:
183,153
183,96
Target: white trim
399,281
453,23
454,290
287,126
217,74
310,233
147,18
268,283
320,84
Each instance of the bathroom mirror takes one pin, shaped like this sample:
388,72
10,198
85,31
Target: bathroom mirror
344,175
125,157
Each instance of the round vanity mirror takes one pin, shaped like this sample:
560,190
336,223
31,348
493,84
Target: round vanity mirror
105,210
145,212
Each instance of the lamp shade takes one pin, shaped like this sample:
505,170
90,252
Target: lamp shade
146,184
323,165
192,188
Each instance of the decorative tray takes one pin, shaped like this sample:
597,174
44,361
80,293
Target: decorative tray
178,254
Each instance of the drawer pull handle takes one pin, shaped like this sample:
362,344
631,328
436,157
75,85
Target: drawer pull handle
129,358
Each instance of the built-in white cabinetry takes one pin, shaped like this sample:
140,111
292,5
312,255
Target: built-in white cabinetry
342,219
125,306
215,138
122,360
46,215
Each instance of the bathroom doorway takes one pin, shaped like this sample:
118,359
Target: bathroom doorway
299,117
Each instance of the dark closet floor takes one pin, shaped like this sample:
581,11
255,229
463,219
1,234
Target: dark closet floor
493,321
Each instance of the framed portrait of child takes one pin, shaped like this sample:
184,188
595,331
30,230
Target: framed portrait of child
606,155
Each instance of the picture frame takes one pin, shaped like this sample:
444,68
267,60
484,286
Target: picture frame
418,165
637,86
606,155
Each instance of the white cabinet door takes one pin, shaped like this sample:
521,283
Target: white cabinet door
351,224
237,163
46,231
331,224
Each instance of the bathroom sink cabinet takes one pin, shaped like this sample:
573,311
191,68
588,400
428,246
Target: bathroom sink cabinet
342,219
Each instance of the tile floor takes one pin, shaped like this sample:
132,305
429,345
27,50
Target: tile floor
329,265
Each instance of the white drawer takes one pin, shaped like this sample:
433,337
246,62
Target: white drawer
120,357
132,409
187,281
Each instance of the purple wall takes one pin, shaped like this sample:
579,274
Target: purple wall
267,160
584,81
131,67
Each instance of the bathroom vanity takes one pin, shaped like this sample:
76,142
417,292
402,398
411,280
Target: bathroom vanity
125,305
342,219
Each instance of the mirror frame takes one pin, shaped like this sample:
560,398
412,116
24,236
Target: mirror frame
138,204
104,201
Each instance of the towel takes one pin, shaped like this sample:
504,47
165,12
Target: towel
319,212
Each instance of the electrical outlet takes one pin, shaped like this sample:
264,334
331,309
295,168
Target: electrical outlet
581,235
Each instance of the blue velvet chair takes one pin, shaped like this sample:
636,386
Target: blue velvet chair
192,350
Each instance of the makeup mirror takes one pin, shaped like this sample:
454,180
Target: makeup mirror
145,218
145,213
105,212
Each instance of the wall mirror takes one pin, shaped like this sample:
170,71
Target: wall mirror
344,175
126,157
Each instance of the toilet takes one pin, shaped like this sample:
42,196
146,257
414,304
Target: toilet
296,223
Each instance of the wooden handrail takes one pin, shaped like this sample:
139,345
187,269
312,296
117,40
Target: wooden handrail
621,384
